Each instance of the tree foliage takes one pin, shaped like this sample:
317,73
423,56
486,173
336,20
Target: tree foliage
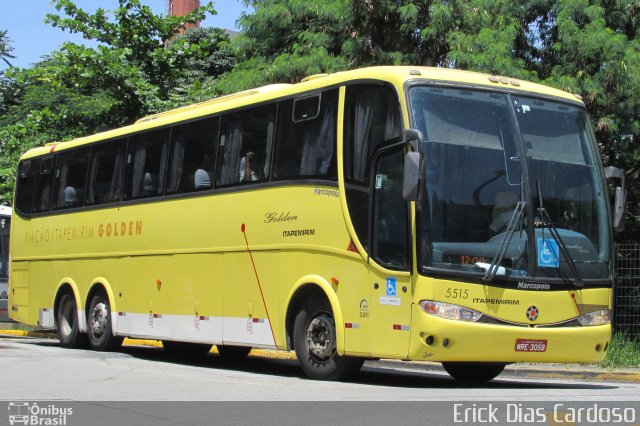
5,48
591,47
143,64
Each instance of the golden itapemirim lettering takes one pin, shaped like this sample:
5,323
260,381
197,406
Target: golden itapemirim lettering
80,233
47,235
120,229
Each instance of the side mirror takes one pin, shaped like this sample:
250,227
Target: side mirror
621,197
411,177
412,170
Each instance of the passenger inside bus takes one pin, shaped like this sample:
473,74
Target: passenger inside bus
202,180
247,172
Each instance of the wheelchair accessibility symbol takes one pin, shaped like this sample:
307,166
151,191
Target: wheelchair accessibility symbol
548,253
391,286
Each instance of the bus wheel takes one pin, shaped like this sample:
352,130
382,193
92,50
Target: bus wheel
315,342
233,353
473,372
67,321
99,325
187,350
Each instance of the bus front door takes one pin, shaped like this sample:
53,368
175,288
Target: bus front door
389,263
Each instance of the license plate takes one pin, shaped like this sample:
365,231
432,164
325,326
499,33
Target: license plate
527,345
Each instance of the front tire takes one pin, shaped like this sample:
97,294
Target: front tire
473,372
99,327
67,322
315,342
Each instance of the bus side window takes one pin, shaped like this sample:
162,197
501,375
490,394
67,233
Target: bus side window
44,184
106,172
246,141
306,141
390,227
70,178
372,120
147,157
192,156
27,174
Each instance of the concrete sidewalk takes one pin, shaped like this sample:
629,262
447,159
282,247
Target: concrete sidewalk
519,370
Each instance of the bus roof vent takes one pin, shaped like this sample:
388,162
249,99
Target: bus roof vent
313,77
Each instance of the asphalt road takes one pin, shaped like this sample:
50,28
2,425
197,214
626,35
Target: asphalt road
134,381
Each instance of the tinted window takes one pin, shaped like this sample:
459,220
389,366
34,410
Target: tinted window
246,141
147,156
306,108
390,227
27,173
44,184
70,178
372,119
372,116
106,172
192,156
306,148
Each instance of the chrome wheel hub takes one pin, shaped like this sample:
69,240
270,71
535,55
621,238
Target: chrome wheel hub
321,337
98,319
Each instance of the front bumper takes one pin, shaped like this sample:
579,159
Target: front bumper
437,339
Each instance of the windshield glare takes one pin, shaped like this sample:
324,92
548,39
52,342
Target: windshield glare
485,152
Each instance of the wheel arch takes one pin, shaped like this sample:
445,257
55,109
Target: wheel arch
65,286
101,285
304,288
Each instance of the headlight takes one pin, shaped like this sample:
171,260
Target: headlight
595,318
449,311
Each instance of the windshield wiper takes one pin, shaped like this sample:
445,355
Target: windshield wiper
494,267
543,214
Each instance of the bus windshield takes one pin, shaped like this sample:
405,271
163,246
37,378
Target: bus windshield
485,154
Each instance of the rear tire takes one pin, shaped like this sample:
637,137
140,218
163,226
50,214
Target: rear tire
473,372
315,342
99,327
67,322
233,353
186,350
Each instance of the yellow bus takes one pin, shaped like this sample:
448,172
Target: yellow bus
409,213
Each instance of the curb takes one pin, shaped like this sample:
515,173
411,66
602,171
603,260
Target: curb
511,371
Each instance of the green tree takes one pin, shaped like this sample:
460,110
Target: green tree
284,41
5,48
590,47
133,60
143,65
